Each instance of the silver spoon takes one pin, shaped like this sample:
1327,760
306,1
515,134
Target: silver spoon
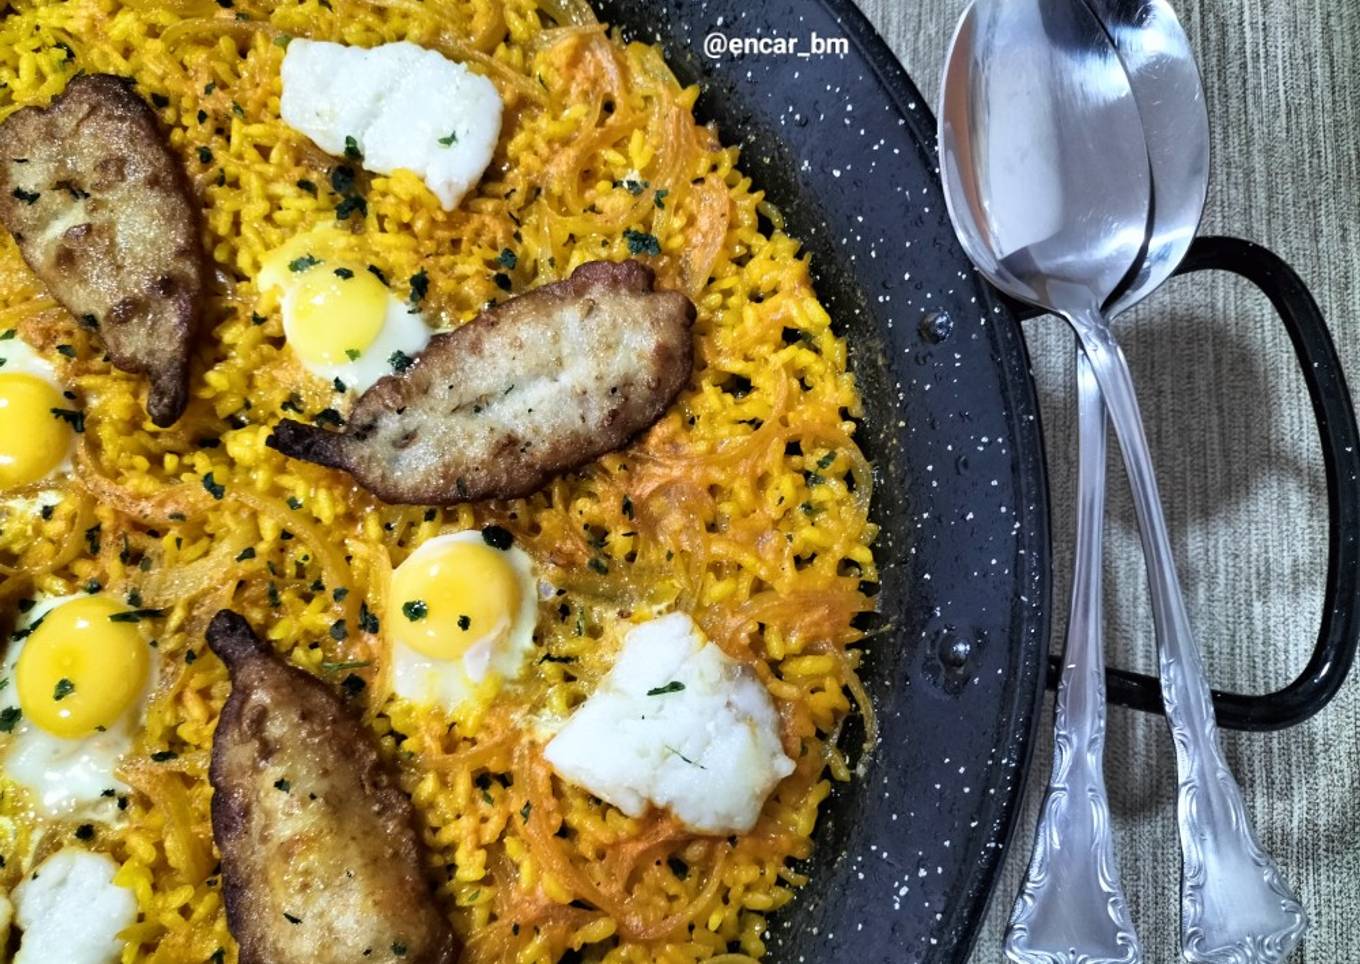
1047,176
1071,902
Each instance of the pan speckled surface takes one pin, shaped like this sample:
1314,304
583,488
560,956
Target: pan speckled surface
841,142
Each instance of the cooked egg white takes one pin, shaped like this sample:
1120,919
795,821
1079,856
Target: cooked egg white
461,616
70,910
400,105
676,724
77,678
36,443
339,317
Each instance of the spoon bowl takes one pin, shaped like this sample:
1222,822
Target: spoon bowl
1037,121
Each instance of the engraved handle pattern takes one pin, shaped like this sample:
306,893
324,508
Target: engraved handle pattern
1071,907
1236,908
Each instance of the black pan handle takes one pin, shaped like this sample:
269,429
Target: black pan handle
1332,407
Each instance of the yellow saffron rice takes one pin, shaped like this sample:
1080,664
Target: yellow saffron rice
747,504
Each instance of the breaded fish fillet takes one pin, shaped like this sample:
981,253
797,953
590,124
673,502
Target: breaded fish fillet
320,858
103,214
541,384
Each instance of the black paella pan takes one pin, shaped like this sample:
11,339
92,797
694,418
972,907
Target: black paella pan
836,134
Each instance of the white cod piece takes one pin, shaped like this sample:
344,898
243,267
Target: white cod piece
70,910
404,106
677,724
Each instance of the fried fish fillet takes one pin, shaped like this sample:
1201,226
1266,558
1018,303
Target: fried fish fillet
103,214
320,858
541,384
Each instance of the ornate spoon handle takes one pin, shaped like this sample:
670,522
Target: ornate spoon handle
1071,907
1235,906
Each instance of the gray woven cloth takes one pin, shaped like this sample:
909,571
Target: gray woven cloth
1237,456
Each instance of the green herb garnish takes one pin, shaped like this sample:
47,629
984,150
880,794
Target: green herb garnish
640,242
71,417
135,615
213,487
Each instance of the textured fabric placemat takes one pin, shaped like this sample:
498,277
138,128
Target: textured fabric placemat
1237,456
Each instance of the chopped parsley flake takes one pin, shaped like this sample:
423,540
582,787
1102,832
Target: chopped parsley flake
450,140
415,610
63,689
376,272
160,100
28,197
502,281
400,361
163,756
635,187
352,354
73,418
497,537
640,242
464,622
674,686
368,621
507,259
308,186
344,274
659,198
420,286
599,565
247,553
352,148
525,810
342,179
213,487
628,507
85,831
135,615
282,784
339,631
205,155
303,263
9,716
352,204
352,685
